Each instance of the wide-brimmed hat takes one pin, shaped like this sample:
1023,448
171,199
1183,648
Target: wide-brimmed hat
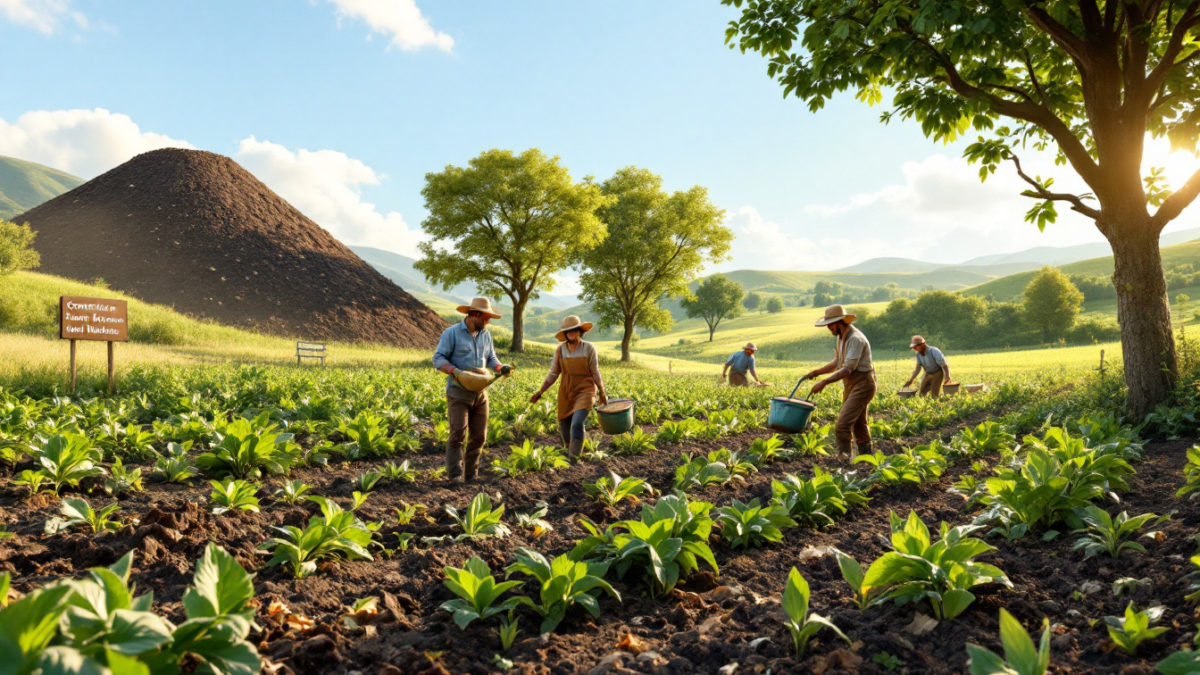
479,305
835,313
750,346
569,323
917,341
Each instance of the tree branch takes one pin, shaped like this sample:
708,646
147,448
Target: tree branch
1076,48
1157,76
1040,191
1175,204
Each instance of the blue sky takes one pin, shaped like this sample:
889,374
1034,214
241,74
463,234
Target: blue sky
342,106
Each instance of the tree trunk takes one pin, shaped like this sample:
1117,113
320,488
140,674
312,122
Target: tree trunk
626,338
712,328
518,326
1145,317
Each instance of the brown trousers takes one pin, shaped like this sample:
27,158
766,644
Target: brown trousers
737,379
931,384
466,416
852,420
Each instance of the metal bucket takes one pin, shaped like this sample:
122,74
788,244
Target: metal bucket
616,416
790,415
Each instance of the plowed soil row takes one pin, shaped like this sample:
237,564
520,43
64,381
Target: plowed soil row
706,624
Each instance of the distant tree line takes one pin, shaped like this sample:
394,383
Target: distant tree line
1048,312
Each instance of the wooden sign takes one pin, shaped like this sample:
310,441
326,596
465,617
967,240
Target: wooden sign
93,319
98,319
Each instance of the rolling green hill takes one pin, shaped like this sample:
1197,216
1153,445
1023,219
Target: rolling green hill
24,185
1011,286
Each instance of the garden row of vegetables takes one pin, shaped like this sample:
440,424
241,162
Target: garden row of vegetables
244,429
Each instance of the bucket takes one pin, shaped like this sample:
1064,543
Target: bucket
973,388
790,415
616,416
951,387
906,393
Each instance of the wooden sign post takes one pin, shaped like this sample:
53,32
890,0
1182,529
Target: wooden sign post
93,319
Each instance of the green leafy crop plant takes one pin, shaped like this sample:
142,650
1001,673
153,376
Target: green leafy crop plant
335,533
248,448
612,489
480,519
1103,533
563,583
751,525
816,502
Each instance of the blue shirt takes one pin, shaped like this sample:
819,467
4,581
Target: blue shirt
932,360
463,351
740,362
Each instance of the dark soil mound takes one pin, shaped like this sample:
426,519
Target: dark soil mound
196,231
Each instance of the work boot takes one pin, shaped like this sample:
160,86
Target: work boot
575,448
861,449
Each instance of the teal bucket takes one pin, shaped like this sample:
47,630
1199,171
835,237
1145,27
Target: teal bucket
790,415
616,417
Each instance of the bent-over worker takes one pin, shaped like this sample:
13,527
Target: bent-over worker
577,363
740,363
852,364
465,347
932,360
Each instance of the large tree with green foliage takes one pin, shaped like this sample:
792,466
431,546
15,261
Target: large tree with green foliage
774,305
16,248
717,298
510,222
656,244
1051,303
1088,77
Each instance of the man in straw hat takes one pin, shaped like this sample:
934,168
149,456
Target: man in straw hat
578,364
465,352
932,360
852,364
738,364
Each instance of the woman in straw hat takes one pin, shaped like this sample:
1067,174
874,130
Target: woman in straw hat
575,360
852,364
740,363
465,352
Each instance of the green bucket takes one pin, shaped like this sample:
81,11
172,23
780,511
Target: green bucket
616,416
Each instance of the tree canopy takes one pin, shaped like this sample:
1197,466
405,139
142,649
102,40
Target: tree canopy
717,298
656,244
16,248
511,221
1086,78
1051,303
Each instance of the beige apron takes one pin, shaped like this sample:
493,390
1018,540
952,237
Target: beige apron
577,388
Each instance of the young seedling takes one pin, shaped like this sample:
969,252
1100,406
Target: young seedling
1106,534
121,479
80,512
292,491
801,623
480,519
233,495
752,524
1131,630
611,490
176,466
477,591
535,521
564,583
1020,657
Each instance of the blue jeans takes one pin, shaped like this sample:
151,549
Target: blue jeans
572,427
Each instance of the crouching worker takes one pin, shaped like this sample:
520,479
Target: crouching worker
575,360
931,360
465,352
740,363
852,364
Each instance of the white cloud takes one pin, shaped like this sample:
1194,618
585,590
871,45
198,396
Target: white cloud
44,16
326,186
942,212
763,244
399,20
83,142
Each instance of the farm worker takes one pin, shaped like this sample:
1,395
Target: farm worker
576,361
852,364
933,361
462,353
740,363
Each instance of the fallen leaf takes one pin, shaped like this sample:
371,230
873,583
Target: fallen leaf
814,552
728,669
276,608
299,622
839,660
632,643
921,624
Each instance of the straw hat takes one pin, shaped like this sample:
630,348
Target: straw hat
750,346
479,305
569,323
917,341
835,313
